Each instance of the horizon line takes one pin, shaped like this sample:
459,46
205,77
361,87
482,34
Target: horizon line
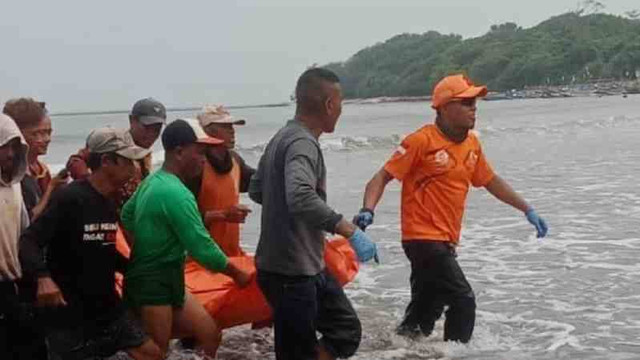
170,109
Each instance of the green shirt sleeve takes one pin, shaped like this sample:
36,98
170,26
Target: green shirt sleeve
185,219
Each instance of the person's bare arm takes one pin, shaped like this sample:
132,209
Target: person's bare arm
233,214
375,188
240,276
48,293
505,193
372,195
55,183
345,228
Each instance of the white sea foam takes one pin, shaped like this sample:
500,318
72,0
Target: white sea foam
342,143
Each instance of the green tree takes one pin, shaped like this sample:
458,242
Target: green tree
581,45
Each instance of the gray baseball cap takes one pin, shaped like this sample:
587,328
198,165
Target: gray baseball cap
149,111
108,139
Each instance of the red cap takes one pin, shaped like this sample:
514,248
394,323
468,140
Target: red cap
455,87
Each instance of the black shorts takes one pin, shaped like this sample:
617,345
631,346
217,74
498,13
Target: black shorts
125,332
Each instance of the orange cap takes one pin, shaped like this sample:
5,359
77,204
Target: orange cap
455,87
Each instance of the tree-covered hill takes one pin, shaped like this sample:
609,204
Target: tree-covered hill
565,49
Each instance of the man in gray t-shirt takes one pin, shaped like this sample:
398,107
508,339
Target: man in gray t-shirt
290,183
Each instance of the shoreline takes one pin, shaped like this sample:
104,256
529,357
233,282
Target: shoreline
594,89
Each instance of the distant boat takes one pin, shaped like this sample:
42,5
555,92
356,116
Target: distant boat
601,93
632,89
497,96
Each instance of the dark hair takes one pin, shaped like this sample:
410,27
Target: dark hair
310,92
94,160
26,112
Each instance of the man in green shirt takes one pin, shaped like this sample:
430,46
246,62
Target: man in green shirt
163,218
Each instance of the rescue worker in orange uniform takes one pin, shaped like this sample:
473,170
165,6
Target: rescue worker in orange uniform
436,165
224,177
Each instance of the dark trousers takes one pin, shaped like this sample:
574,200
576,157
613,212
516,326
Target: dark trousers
303,305
20,338
438,281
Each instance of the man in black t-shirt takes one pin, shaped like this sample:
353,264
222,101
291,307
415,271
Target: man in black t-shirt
71,248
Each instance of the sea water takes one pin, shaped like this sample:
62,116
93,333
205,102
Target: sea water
572,295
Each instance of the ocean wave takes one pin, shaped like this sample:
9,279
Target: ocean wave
341,144
560,128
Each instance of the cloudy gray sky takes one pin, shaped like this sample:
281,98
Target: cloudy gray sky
88,55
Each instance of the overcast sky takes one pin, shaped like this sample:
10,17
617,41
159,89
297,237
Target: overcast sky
100,55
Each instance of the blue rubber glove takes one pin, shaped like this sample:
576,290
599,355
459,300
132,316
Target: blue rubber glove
538,222
363,246
363,219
